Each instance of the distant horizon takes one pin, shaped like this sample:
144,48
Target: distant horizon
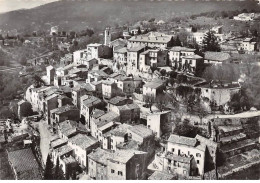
12,5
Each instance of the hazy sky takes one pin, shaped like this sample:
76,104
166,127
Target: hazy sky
9,5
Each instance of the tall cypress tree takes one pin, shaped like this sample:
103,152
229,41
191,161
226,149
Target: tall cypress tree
210,42
48,169
177,41
58,174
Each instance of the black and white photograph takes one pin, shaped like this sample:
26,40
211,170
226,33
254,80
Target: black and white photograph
129,90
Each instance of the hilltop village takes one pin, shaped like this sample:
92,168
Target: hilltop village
137,107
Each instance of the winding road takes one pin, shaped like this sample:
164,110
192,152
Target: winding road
45,139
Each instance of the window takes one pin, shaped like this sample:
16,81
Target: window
172,149
198,161
120,173
112,171
169,161
198,155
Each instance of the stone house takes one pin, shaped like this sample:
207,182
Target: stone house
82,145
157,121
185,147
219,92
63,113
153,58
153,89
109,89
176,54
88,103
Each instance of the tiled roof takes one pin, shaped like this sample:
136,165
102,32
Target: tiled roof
116,100
83,141
107,62
158,175
69,160
192,57
153,37
180,48
64,109
91,101
96,113
175,157
176,139
121,50
25,164
108,125
99,73
123,156
51,96
70,127
107,82
115,74
106,118
153,85
158,113
216,56
96,82
58,142
65,149
68,124
127,107
140,130
133,106
100,155
118,42
120,130
135,49
206,141
130,144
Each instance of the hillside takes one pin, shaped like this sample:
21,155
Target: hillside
76,15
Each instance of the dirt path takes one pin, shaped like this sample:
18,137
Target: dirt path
45,139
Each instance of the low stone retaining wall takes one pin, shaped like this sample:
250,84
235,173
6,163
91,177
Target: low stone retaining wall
248,171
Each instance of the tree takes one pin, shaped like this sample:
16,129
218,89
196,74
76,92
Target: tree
48,175
185,129
255,33
37,81
177,41
149,100
69,172
58,173
173,74
161,101
225,72
74,176
26,110
210,43
184,91
163,72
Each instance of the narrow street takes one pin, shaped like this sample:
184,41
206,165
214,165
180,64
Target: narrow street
45,139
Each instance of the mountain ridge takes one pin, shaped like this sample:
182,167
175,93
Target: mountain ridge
76,15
